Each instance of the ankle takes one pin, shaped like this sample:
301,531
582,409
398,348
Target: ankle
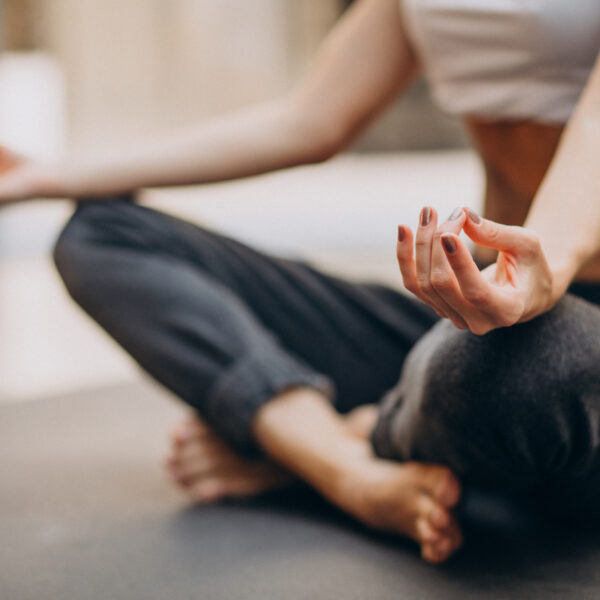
348,486
300,430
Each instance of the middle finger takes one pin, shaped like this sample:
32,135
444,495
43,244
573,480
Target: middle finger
425,232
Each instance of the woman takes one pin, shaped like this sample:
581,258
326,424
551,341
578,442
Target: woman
261,347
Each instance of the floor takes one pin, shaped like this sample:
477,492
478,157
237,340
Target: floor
87,514
342,215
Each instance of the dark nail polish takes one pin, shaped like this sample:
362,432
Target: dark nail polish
474,216
425,216
449,244
455,214
400,233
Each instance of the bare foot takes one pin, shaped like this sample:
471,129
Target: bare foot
413,499
207,469
361,420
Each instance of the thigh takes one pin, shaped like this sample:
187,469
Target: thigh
357,334
515,410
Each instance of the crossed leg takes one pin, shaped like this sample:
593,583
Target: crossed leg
516,410
227,329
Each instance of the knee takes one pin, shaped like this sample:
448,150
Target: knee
513,367
73,250
69,249
518,397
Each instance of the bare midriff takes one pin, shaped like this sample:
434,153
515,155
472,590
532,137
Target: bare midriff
516,156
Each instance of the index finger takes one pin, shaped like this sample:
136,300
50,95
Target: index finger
476,289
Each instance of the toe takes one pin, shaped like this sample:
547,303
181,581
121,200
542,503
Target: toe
198,428
439,550
441,483
447,487
178,435
433,512
426,533
169,460
439,517
448,490
456,537
442,550
430,553
207,490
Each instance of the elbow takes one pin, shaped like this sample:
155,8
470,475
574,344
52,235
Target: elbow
320,136
323,151
323,141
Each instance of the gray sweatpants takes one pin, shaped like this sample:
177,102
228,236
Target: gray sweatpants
226,328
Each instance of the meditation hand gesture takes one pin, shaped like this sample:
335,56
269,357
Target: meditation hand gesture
442,273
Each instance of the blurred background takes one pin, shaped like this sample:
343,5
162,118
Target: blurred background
76,75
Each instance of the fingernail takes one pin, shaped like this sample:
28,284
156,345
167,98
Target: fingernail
400,233
449,244
425,216
473,216
455,214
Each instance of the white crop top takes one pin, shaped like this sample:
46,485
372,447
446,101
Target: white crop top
505,59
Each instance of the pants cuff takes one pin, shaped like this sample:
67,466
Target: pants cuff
252,381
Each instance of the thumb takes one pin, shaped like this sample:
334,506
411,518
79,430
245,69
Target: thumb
507,238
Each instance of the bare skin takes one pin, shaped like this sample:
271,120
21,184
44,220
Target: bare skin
206,469
516,157
413,499
365,63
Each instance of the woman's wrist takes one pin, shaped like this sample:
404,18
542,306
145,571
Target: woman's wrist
561,257
561,280
49,181
563,269
69,179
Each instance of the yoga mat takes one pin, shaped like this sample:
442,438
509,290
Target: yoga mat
86,513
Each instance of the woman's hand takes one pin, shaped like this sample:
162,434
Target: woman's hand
22,178
442,273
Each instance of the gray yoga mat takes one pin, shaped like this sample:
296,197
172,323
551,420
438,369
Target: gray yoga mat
86,513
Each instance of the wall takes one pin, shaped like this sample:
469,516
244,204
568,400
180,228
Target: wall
137,66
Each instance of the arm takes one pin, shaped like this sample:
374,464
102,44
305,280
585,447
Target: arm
537,262
363,64
566,210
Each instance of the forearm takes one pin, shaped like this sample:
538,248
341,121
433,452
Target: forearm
301,431
566,210
364,63
249,142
